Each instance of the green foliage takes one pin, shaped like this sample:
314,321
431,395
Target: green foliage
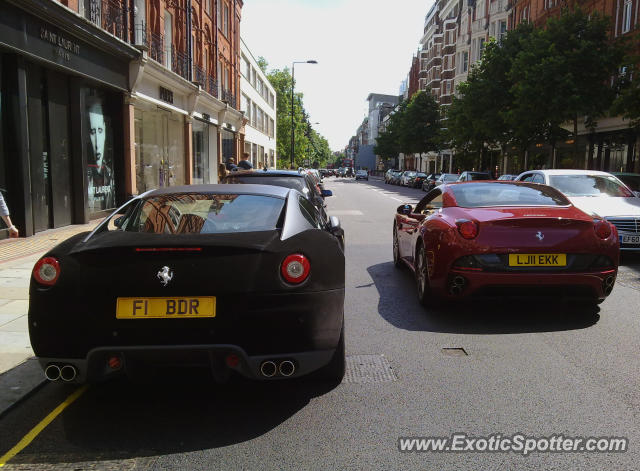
388,141
420,131
263,64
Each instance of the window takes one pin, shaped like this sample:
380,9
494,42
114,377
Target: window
309,212
207,7
477,195
245,104
168,40
626,16
502,29
465,61
246,68
225,20
480,48
254,115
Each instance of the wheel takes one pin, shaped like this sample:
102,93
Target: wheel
422,276
396,248
334,370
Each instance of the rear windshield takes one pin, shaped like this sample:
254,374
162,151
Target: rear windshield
476,195
197,213
295,183
632,181
589,185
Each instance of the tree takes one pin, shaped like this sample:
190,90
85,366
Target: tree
388,141
421,124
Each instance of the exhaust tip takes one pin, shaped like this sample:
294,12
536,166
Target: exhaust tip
52,372
608,284
68,373
456,285
268,369
287,368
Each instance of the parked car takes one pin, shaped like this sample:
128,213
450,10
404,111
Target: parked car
407,177
443,178
418,179
473,176
175,294
507,177
632,180
300,181
599,194
499,239
395,177
388,174
362,175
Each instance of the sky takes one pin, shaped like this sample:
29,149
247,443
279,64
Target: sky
362,47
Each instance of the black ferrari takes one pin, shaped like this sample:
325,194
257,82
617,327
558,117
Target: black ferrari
236,278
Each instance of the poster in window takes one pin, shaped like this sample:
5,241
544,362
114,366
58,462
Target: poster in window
101,185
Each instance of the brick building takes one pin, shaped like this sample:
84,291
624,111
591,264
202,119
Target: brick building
120,96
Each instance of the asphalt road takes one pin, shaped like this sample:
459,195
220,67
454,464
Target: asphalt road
533,368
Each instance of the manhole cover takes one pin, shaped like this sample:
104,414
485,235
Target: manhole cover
368,369
455,351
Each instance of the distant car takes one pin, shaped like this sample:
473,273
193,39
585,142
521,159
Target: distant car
388,174
300,180
407,176
429,182
496,239
508,177
473,176
632,180
419,178
444,178
395,177
240,279
599,194
362,175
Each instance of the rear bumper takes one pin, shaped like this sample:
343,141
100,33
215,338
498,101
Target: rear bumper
256,325
594,286
138,359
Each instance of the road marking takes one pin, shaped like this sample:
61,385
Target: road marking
35,431
395,199
345,212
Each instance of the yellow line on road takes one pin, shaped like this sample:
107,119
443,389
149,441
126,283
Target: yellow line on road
35,431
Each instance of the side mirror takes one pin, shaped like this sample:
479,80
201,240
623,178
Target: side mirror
405,209
326,193
334,223
118,222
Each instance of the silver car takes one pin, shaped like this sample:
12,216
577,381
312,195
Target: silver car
599,194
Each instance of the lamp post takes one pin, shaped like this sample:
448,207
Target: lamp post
293,134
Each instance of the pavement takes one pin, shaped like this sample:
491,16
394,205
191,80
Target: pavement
19,372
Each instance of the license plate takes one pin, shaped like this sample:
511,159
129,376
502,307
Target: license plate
161,308
537,260
628,239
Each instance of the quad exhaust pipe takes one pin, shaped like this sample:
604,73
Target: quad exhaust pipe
285,368
456,285
66,373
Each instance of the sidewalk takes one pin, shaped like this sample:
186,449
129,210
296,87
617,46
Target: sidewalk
17,258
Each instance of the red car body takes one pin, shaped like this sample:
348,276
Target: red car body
462,249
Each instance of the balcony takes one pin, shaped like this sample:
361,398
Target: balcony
108,15
180,63
228,97
479,26
155,43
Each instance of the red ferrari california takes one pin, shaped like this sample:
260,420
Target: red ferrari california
490,239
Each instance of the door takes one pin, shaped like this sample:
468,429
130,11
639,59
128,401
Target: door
59,148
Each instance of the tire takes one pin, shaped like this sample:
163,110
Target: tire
396,248
334,370
422,277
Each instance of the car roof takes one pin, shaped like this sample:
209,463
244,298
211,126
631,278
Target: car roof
266,173
225,188
569,172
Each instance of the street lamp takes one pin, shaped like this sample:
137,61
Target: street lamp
293,74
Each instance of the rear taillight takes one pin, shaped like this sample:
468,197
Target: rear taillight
47,271
467,229
295,268
602,228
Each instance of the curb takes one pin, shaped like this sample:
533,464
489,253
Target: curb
19,383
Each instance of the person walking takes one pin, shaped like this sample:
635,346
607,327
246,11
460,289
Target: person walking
4,213
245,164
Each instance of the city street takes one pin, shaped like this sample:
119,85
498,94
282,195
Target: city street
502,368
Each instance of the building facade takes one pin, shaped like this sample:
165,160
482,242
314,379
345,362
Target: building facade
258,103
104,99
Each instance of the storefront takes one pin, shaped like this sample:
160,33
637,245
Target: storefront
205,159
61,113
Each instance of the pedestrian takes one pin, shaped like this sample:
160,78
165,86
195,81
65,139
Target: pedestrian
4,213
245,164
222,171
231,164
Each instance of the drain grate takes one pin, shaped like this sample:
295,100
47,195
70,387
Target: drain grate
368,369
455,351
